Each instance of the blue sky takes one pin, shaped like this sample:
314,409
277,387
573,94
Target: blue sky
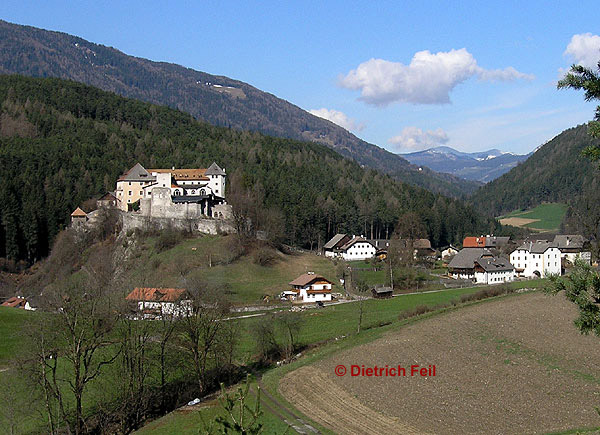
403,75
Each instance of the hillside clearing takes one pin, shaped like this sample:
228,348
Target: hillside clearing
516,365
544,217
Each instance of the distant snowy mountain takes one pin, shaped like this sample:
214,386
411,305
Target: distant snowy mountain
481,166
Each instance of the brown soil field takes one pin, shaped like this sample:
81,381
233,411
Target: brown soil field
513,365
517,222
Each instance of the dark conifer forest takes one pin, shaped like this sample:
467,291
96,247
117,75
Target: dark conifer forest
62,143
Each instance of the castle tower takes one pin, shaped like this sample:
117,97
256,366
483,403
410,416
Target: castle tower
216,181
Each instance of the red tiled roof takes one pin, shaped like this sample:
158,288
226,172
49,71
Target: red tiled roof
15,302
79,213
474,242
183,174
154,294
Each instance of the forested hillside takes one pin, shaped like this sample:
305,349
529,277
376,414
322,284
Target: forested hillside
557,172
62,142
231,103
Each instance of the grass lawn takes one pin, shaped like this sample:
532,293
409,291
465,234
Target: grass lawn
246,281
548,216
11,322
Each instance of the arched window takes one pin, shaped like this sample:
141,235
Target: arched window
202,192
176,192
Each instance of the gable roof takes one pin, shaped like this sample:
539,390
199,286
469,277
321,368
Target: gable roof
422,244
194,174
494,241
214,169
538,247
569,241
137,173
353,241
108,196
495,264
156,294
79,213
15,302
307,278
334,241
474,242
466,258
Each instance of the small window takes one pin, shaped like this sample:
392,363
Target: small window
130,192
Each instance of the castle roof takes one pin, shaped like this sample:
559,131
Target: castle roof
137,173
196,174
214,169
79,213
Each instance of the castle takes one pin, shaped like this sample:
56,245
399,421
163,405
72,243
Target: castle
205,188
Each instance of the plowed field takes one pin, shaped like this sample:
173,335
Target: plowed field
515,365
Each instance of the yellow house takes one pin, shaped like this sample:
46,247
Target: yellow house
130,186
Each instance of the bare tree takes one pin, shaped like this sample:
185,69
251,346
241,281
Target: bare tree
201,327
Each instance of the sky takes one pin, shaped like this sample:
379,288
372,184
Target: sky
404,75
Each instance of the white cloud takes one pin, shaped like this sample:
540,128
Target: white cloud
584,49
339,118
428,79
415,139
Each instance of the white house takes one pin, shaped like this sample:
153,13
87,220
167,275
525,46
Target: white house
480,266
153,303
350,247
493,270
312,288
536,259
448,252
358,248
573,247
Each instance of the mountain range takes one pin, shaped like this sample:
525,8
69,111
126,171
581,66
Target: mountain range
481,166
555,172
215,99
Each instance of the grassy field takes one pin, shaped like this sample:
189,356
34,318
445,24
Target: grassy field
338,321
545,217
245,281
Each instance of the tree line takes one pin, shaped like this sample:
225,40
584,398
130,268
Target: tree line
62,143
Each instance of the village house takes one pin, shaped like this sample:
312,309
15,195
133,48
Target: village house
18,302
311,288
485,242
205,187
349,247
153,303
448,251
481,266
573,247
536,259
108,200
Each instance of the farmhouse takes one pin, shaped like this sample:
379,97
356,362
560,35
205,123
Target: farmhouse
572,247
349,248
18,302
481,266
493,270
485,242
153,303
312,288
536,259
449,251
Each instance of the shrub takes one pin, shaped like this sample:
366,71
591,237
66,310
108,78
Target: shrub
167,239
264,257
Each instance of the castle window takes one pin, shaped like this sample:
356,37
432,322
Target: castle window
177,192
202,192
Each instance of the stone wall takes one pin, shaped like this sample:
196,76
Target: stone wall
202,225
